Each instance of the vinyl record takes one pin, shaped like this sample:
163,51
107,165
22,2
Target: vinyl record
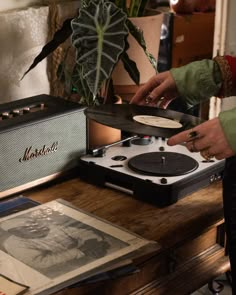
121,116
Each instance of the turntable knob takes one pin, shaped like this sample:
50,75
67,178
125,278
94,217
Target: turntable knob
163,180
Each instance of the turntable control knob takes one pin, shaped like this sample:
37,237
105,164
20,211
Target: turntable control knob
161,149
163,180
119,158
5,115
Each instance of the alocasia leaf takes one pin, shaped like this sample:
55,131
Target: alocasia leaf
99,34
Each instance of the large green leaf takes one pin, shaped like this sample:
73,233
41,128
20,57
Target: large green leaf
121,4
137,8
81,86
99,34
134,8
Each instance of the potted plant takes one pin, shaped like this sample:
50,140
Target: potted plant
99,34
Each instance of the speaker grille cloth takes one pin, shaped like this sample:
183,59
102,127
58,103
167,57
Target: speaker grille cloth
67,132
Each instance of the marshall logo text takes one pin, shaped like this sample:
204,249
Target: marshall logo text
31,154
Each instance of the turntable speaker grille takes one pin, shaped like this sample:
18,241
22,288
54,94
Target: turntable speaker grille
40,149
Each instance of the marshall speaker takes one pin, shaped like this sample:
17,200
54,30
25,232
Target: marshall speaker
40,137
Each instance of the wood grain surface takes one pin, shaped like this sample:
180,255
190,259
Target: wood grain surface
190,233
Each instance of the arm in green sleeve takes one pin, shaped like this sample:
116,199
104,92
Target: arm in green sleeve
197,81
228,123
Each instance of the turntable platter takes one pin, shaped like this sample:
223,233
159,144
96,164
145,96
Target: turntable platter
163,164
120,116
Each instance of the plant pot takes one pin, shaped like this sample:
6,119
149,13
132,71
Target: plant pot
100,135
151,27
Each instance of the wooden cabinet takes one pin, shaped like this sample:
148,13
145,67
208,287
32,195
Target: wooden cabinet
190,234
186,38
192,38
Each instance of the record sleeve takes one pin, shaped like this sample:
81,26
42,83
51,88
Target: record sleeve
15,204
54,245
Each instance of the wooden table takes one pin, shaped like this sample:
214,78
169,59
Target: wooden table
190,233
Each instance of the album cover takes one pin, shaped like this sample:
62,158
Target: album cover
55,245
15,204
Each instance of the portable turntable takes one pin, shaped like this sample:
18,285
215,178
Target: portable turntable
145,166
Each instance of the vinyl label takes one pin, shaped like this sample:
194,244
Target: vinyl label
157,121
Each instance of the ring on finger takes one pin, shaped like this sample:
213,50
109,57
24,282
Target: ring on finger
193,147
192,134
206,154
148,99
160,102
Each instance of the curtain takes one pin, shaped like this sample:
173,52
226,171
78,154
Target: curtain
22,34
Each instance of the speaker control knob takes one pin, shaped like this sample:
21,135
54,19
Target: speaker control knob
16,113
42,105
5,115
26,110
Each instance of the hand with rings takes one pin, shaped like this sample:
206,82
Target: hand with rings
159,91
207,138
148,100
193,135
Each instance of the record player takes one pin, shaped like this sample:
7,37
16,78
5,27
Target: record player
142,164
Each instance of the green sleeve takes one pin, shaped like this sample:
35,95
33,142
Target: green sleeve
197,81
228,123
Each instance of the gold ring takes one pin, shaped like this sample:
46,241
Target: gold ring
192,147
192,134
206,155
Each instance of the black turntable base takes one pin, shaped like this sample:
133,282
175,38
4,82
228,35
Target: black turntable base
154,172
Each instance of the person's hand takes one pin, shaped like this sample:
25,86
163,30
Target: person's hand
207,138
159,91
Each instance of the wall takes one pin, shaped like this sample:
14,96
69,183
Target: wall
24,31
15,4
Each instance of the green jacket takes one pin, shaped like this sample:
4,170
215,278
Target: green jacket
200,80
